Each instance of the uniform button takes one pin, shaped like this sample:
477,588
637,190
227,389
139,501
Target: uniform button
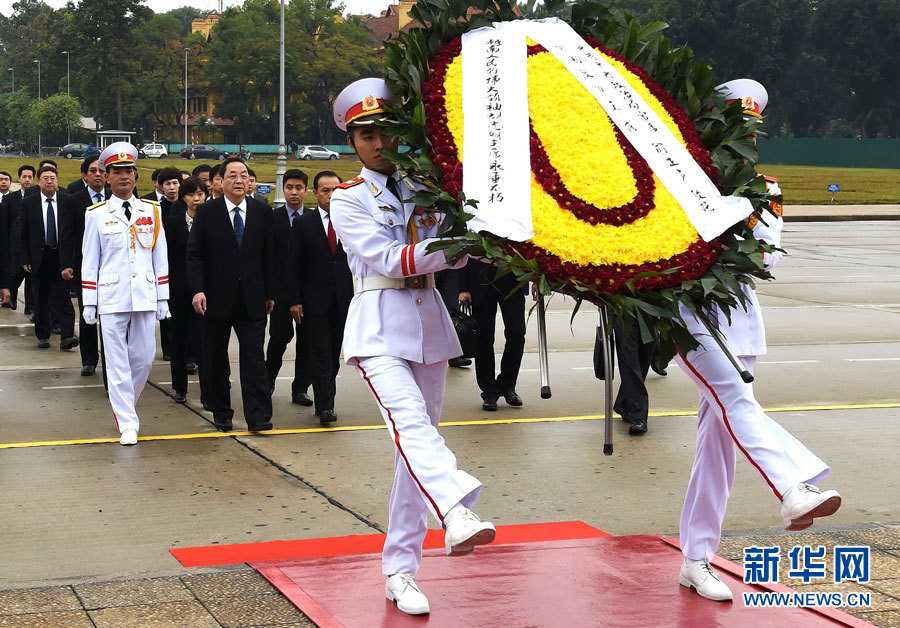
133,275
391,222
418,301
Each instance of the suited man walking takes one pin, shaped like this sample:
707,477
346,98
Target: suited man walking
281,327
479,283
5,229
71,236
39,251
14,201
230,267
321,287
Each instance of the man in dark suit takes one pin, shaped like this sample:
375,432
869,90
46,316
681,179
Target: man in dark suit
39,256
321,287
478,283
71,234
5,228
13,201
281,326
231,271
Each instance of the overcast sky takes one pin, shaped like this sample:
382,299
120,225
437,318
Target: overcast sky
356,7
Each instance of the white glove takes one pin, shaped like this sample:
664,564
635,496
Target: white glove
90,314
162,310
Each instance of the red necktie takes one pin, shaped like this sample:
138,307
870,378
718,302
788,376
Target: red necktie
332,238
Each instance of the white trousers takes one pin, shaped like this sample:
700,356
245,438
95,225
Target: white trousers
730,419
426,478
129,344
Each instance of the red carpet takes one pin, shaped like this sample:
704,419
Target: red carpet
534,576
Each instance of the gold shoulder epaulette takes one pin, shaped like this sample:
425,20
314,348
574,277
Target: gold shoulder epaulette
350,183
95,205
147,200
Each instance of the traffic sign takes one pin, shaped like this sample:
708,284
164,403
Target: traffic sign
834,187
266,188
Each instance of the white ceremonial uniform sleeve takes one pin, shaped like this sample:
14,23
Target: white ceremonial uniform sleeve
770,233
90,259
376,247
161,265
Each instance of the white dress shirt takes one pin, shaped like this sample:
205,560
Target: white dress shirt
55,214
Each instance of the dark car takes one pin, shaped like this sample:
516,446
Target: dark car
203,151
77,150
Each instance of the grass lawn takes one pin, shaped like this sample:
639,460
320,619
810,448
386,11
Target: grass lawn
802,185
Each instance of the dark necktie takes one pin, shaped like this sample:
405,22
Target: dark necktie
127,208
294,216
98,197
393,188
332,237
51,224
238,227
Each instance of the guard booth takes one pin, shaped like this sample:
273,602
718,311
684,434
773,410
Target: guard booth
105,138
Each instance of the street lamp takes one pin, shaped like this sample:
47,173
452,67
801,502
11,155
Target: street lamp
13,70
68,93
38,61
281,168
185,96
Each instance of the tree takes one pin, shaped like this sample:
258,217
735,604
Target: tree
54,116
14,118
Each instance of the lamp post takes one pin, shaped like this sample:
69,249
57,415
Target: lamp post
38,61
13,70
68,93
185,96
281,168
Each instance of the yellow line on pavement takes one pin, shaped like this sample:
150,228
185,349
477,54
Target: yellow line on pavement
363,428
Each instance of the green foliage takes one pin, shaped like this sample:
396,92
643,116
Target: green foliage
690,81
55,115
14,115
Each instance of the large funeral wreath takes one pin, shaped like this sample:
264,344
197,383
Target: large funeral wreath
606,230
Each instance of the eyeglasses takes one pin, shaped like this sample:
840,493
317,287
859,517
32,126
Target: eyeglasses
233,176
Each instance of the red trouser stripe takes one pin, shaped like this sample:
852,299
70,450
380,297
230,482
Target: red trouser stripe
397,441
728,426
412,259
403,265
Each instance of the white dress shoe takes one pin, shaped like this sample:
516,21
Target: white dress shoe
128,437
804,502
702,578
464,530
401,588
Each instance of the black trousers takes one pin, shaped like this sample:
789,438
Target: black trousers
281,332
325,333
184,326
51,298
16,278
512,309
87,334
632,400
251,334
165,335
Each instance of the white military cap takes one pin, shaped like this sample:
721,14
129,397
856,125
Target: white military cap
362,102
752,94
118,154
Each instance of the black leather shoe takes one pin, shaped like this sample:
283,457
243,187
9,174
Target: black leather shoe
30,317
190,368
302,399
260,427
167,357
27,311
54,329
512,398
327,416
654,365
222,425
638,427
180,398
621,413
68,343
489,404
459,363
43,343
88,369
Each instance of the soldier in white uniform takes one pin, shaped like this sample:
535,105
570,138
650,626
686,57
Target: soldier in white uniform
730,419
398,337
125,280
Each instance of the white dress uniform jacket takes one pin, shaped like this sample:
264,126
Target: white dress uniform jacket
408,324
125,266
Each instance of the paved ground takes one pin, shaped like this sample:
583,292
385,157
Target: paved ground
88,525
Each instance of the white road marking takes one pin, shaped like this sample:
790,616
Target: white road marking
871,359
68,387
789,362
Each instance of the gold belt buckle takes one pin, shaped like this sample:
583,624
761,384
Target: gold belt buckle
415,283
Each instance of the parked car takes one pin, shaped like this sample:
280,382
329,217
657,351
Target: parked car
203,151
316,152
77,149
153,151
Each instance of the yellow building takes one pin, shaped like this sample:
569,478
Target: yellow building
204,24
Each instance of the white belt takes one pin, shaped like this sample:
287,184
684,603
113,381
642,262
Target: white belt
380,282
